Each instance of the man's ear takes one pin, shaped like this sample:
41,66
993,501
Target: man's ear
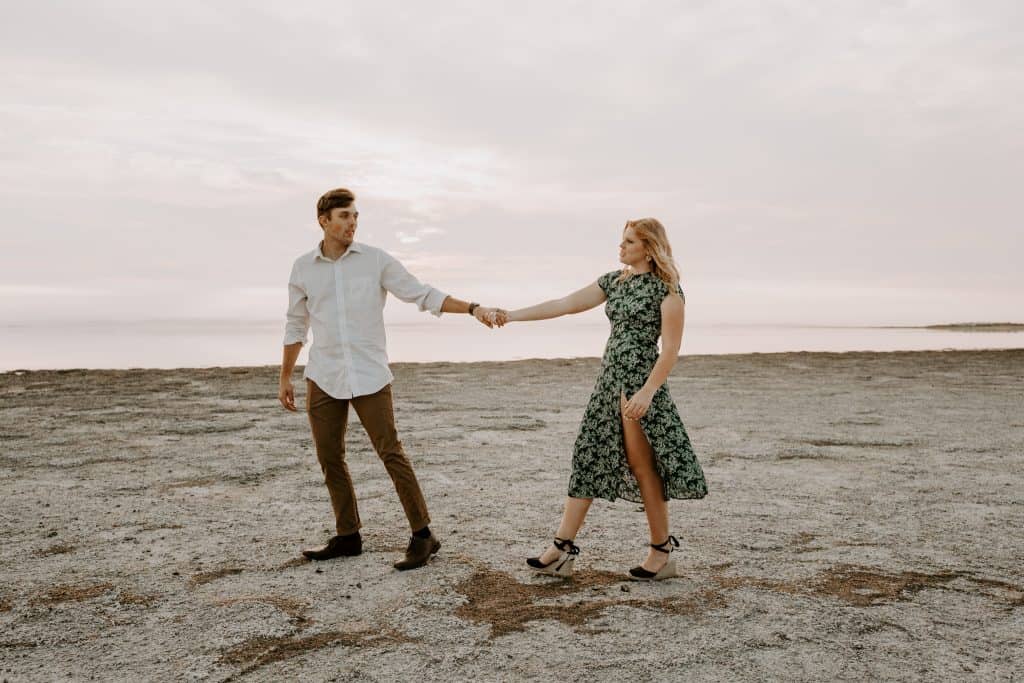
322,220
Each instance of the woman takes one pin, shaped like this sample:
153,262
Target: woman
631,443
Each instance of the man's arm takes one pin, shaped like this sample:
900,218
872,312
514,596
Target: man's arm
400,282
286,392
481,313
294,337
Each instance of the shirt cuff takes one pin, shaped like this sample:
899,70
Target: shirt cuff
293,337
434,301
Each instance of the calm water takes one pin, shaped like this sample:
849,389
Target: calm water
173,344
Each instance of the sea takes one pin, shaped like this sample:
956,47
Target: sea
213,343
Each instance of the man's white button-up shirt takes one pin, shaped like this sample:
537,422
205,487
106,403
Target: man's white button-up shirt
343,301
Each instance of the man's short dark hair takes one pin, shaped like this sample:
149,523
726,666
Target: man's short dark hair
335,199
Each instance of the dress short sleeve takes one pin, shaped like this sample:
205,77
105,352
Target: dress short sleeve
663,288
607,281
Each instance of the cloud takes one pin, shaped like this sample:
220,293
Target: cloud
417,235
775,140
43,291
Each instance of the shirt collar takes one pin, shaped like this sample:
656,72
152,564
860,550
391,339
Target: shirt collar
354,247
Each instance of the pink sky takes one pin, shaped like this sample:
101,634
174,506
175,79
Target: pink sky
855,164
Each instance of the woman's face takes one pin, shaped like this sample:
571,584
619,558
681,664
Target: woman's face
631,249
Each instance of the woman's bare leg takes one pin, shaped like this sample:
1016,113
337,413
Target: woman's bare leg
640,457
572,519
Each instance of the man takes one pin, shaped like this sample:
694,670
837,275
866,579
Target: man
340,288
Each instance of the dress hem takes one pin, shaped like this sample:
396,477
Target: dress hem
638,500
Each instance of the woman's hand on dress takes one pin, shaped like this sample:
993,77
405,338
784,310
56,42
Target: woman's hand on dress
637,406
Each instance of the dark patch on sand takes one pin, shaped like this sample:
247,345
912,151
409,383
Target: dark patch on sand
1010,594
157,527
803,538
688,605
58,549
856,423
193,429
870,586
294,562
496,598
791,454
206,577
89,462
258,652
858,444
71,593
196,482
865,586
242,478
141,599
516,423
11,436
802,541
295,609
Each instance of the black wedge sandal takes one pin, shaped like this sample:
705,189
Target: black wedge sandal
638,573
561,565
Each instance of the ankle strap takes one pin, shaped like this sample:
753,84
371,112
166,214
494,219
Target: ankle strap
660,547
566,545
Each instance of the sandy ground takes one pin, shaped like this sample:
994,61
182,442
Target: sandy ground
865,521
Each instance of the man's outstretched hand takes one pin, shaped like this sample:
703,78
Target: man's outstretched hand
491,317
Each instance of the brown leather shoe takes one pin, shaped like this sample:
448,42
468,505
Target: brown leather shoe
418,552
338,546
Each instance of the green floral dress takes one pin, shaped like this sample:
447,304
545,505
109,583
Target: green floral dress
599,468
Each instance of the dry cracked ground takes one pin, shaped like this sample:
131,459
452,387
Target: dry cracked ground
865,522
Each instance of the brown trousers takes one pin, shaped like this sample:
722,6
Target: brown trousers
328,418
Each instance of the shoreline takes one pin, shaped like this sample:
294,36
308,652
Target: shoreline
960,327
462,341
497,363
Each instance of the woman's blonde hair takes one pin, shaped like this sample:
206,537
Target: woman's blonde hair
652,233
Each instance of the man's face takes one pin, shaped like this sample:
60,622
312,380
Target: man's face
340,225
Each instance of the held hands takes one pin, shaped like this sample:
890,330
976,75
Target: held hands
491,317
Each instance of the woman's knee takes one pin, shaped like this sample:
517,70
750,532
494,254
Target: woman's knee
642,470
635,442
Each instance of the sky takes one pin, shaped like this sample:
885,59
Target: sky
814,163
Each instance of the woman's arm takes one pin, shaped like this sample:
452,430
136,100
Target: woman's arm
582,300
673,313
